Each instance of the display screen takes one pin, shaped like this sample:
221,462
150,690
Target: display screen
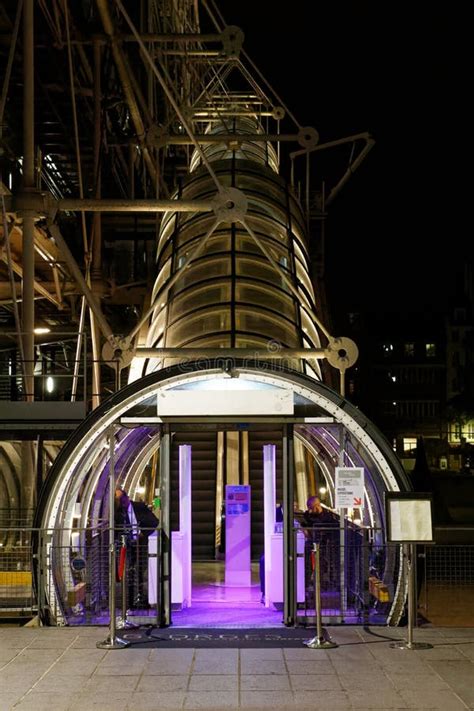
237,500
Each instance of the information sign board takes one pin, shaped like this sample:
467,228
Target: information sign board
349,488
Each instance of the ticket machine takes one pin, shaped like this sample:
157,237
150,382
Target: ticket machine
237,536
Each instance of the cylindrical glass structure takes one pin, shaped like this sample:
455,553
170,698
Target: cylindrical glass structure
231,295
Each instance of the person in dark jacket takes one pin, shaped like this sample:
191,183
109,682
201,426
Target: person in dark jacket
134,522
320,525
316,514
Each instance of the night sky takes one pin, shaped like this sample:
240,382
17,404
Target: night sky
393,239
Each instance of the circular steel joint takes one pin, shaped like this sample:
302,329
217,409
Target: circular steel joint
342,353
230,205
232,40
278,113
117,352
156,137
308,137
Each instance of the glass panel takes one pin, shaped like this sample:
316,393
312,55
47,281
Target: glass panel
162,279
245,243
297,220
166,231
261,225
157,328
209,266
191,223
207,295
186,330
303,277
258,321
265,296
256,185
219,242
299,254
165,254
309,329
311,371
220,341
260,208
259,268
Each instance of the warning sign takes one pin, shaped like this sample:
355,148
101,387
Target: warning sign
349,487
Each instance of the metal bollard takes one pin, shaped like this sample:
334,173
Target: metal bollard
122,622
409,553
112,641
322,639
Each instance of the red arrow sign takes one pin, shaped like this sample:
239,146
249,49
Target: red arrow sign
357,502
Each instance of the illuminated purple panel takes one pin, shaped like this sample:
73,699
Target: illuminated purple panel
269,510
185,472
237,536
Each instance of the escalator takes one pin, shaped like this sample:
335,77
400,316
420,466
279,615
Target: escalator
204,465
203,497
257,439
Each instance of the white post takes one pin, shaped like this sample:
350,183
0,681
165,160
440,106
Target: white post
269,509
185,521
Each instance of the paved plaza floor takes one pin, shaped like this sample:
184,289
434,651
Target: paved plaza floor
51,669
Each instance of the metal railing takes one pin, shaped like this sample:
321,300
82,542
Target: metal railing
74,564
57,373
17,595
63,574
16,517
445,580
358,575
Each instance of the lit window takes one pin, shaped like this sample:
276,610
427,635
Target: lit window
430,350
409,349
409,443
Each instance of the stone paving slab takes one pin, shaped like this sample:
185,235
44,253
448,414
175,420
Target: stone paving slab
61,670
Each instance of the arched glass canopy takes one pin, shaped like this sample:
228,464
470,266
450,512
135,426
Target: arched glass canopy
332,430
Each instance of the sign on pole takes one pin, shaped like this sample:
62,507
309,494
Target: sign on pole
409,517
349,487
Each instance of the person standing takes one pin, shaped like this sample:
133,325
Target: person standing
134,522
318,524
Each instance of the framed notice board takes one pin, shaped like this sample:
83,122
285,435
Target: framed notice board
409,517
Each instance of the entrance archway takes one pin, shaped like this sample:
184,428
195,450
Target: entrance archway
321,423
